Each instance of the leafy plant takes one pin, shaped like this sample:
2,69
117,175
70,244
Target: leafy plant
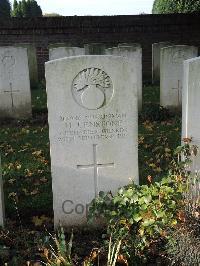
141,215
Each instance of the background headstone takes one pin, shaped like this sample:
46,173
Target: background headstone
15,95
60,52
93,130
191,125
59,44
95,49
134,54
190,106
32,62
171,69
129,44
112,51
156,49
2,214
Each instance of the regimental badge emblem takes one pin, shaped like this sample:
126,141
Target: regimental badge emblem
92,88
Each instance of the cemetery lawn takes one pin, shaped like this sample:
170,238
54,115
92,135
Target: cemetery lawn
24,146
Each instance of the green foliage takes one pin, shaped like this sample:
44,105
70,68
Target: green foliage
140,215
5,9
61,254
175,6
26,8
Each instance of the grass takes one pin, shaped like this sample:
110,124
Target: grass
24,147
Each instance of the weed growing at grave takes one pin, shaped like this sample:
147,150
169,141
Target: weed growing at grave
61,255
59,252
142,216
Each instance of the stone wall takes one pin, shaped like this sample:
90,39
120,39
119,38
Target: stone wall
75,30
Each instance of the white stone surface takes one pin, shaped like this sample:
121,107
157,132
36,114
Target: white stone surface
2,214
191,107
60,52
171,68
134,54
32,62
15,95
156,49
93,142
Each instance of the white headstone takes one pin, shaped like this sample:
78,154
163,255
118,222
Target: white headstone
156,47
171,69
32,62
112,51
134,54
93,130
60,52
190,106
15,95
2,215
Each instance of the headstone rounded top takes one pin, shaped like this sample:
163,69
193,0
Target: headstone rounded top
92,88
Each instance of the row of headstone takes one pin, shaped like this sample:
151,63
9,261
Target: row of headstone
93,127
167,68
15,100
131,51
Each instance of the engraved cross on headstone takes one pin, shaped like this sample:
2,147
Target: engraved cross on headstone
8,63
11,91
95,165
179,91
